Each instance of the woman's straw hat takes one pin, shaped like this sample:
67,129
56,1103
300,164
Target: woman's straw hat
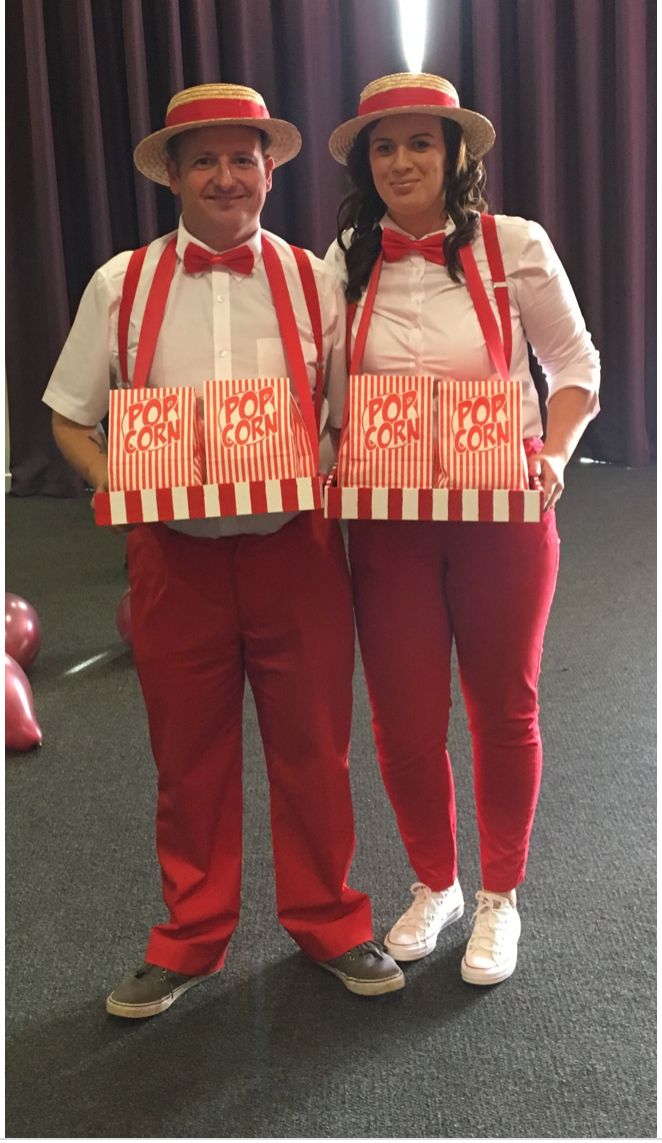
215,105
411,93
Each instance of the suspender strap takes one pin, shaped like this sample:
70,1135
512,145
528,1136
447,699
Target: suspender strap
493,251
351,313
313,303
484,312
289,333
355,355
153,316
129,288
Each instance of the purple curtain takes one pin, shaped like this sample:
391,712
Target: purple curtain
569,85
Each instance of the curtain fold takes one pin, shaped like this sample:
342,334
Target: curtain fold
569,85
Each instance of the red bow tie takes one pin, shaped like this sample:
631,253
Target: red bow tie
396,245
197,259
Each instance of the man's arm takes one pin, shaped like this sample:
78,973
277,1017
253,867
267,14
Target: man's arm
85,449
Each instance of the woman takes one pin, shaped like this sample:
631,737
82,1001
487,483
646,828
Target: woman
414,157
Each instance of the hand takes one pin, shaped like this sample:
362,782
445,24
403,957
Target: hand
101,485
549,468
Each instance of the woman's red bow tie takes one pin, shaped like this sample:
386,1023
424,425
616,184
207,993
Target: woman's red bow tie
396,245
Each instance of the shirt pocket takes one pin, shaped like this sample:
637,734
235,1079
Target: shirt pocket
270,358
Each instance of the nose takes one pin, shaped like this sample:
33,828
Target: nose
223,174
401,159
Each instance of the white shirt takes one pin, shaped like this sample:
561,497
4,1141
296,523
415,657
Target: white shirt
217,325
425,324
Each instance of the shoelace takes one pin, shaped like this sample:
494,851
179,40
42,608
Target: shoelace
423,907
368,948
490,922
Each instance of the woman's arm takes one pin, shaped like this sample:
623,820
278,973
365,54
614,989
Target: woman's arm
568,413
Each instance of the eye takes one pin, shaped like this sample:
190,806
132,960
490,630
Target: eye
245,161
203,161
382,148
421,144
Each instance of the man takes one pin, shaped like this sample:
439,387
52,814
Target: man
213,601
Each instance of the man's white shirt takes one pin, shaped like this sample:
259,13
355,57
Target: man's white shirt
217,325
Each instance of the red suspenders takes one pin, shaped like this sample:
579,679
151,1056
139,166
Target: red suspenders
155,306
499,347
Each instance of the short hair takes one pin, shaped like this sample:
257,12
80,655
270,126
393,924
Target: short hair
172,145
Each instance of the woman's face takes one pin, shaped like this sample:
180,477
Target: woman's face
407,155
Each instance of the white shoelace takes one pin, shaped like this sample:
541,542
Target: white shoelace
491,922
424,907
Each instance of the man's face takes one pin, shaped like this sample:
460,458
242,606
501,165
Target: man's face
222,178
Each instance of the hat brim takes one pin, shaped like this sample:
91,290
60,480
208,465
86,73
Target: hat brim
479,134
150,154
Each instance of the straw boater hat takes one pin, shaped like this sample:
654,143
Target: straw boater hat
410,93
215,105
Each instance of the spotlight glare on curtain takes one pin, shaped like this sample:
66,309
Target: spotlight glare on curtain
413,19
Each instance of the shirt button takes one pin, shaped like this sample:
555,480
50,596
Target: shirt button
222,352
219,298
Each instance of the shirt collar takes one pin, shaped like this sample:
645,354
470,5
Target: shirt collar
254,243
387,221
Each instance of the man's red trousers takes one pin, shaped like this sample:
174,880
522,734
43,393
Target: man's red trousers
205,615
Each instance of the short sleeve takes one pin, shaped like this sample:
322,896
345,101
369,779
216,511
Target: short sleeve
87,366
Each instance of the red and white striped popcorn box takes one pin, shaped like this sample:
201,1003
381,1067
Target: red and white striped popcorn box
154,439
254,431
457,505
480,435
389,440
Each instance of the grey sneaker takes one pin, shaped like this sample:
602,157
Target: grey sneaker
149,991
366,970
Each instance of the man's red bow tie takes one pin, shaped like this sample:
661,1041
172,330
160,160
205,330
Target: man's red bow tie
197,259
396,245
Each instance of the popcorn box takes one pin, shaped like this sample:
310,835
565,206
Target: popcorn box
154,440
480,435
254,431
388,439
197,502
470,505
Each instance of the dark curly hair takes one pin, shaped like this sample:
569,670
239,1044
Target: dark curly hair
361,210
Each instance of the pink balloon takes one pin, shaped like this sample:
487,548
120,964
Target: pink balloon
22,630
123,617
22,731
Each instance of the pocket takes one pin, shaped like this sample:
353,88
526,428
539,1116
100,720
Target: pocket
270,358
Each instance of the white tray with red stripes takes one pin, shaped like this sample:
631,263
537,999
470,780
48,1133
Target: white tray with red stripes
198,502
469,505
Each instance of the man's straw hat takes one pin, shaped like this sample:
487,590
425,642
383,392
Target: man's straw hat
215,105
411,93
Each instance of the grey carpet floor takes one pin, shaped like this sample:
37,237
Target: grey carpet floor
273,1047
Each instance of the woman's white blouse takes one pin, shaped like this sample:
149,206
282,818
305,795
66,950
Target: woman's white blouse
425,324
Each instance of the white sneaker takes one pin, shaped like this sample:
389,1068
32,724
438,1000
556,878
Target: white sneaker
491,954
415,934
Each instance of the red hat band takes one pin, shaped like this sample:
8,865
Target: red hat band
200,110
398,97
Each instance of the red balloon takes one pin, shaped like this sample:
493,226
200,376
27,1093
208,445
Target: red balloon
22,731
22,630
123,617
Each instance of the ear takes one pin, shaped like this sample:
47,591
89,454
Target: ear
173,174
268,170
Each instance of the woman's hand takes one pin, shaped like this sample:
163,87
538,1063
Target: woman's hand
549,467
568,413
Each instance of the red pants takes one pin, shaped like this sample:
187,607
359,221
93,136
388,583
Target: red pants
418,586
206,613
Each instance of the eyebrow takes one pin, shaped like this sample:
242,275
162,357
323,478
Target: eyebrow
389,138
